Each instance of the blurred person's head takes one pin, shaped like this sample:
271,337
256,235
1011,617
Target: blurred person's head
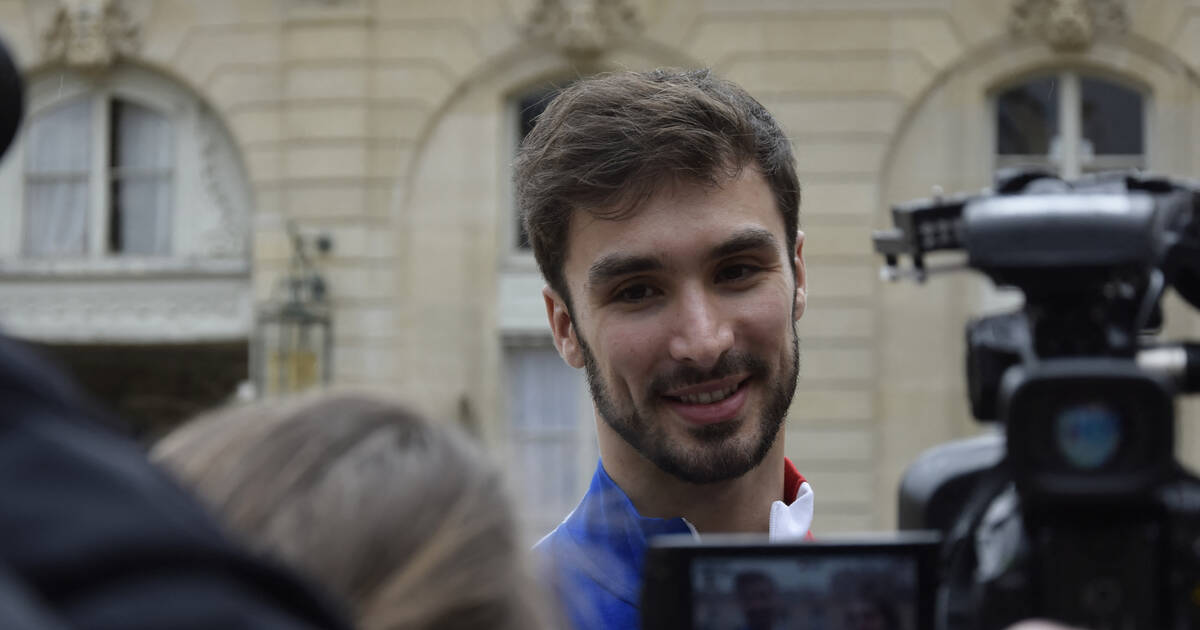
404,519
757,599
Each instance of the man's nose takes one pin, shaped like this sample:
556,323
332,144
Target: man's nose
700,334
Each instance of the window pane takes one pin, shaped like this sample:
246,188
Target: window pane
142,138
60,140
1112,118
57,165
544,414
140,222
1027,118
56,217
532,104
529,107
140,205
543,392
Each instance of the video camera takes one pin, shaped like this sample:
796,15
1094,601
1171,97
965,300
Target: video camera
1080,513
1078,510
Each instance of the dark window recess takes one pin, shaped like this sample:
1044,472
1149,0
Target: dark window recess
529,108
1027,118
153,388
115,223
1112,118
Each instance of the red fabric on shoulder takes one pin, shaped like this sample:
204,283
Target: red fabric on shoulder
791,487
791,481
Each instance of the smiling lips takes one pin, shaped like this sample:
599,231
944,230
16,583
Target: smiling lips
709,404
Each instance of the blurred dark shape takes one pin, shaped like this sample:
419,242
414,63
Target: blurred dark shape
154,387
20,609
12,99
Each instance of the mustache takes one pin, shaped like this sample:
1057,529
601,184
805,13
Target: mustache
688,375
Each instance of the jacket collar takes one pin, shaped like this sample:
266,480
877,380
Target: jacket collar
610,537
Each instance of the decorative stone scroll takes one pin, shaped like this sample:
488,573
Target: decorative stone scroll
581,28
91,34
1068,25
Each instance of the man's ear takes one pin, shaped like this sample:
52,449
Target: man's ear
801,276
562,328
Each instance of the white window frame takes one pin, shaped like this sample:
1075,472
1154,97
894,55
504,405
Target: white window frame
1070,161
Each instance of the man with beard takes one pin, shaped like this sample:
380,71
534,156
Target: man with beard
662,208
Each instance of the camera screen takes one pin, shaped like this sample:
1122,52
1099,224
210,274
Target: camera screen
809,592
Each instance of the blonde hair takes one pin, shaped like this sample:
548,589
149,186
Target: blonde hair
404,519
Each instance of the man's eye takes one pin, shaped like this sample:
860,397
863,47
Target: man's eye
733,273
635,293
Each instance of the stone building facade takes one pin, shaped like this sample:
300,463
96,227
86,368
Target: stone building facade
390,125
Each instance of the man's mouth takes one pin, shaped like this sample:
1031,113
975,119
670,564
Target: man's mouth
704,398
710,402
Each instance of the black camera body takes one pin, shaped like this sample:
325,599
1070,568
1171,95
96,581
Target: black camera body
1079,511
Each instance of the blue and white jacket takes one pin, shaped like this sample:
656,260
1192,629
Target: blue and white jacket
594,557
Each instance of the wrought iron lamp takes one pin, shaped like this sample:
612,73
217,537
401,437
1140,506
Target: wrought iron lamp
292,349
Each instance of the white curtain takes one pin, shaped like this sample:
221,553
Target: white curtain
142,180
544,412
57,167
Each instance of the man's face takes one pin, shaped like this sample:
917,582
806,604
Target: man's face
683,315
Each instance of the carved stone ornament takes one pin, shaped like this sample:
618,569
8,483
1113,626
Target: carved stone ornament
91,34
582,27
1068,25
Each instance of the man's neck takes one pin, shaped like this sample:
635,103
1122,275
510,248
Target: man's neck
737,505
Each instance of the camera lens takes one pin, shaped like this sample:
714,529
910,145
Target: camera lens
1088,435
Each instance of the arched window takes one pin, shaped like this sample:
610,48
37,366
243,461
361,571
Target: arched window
1070,123
98,180
120,170
124,232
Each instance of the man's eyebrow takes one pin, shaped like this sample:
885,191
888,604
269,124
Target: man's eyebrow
750,238
617,265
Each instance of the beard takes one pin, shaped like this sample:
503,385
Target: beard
717,452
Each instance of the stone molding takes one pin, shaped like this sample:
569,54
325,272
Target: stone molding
143,310
582,28
91,34
1068,25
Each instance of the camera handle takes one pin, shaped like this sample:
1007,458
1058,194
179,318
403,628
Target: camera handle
956,606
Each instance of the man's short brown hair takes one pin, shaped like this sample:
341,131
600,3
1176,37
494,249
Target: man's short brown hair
607,143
